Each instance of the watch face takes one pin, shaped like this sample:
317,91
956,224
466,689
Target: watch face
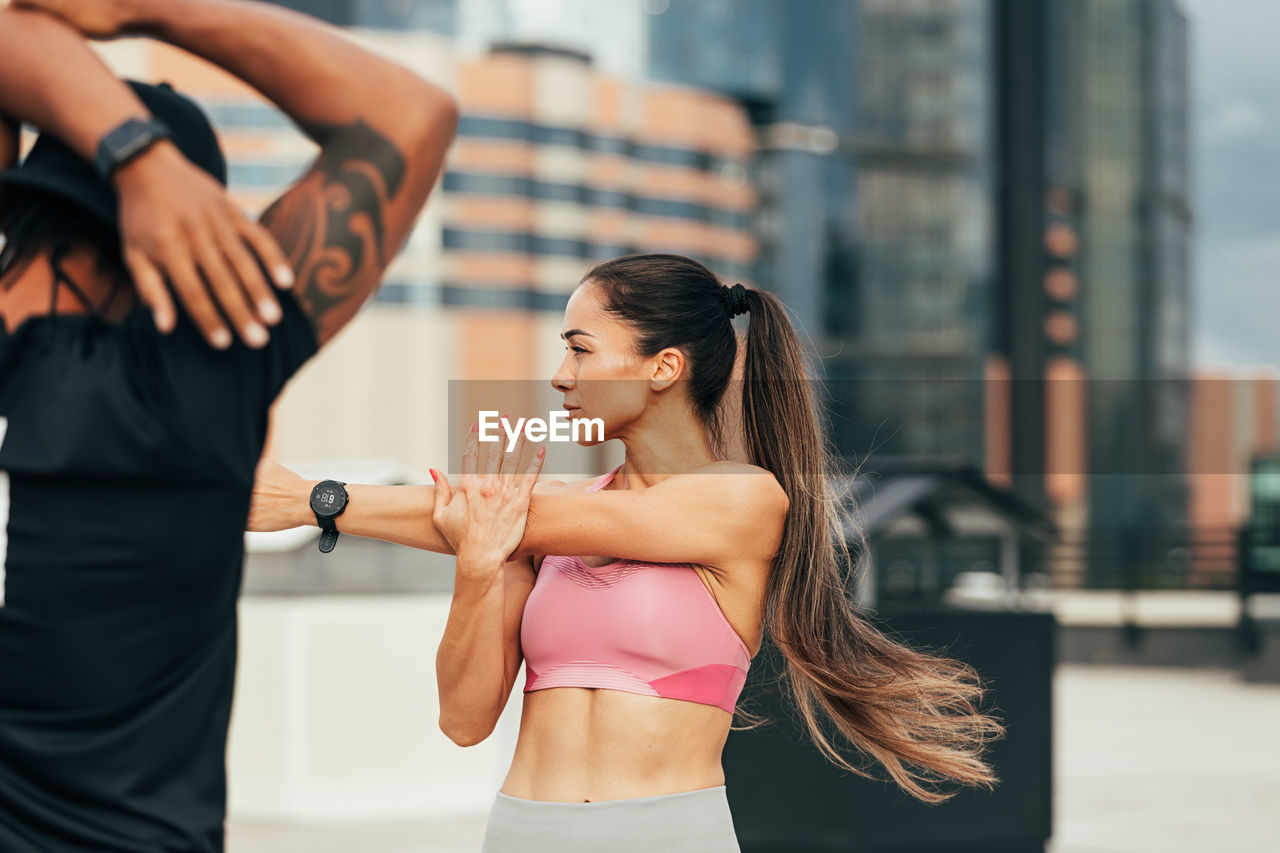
328,499
130,138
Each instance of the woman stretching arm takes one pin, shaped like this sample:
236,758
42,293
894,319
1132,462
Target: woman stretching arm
656,585
643,524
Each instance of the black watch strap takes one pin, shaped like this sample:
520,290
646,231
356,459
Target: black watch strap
126,141
328,535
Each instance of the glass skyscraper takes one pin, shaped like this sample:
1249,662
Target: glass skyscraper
917,317
874,174
1119,180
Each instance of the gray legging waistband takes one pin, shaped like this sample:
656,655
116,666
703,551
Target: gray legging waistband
696,821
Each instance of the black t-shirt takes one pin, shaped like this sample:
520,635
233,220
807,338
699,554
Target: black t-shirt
129,458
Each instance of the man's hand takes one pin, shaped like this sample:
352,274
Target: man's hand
177,222
97,19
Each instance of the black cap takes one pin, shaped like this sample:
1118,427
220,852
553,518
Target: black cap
53,167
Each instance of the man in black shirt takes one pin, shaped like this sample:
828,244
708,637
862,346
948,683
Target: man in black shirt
127,453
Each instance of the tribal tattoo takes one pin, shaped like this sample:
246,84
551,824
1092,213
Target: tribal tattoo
333,224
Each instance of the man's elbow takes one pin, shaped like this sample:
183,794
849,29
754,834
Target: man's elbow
434,114
417,116
448,112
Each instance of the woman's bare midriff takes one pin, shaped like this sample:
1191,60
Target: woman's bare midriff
583,744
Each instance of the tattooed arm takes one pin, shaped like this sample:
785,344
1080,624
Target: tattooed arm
383,132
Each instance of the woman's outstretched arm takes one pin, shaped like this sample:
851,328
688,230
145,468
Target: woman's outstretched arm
708,516
699,517
400,514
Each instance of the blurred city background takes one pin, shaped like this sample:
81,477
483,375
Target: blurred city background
1030,242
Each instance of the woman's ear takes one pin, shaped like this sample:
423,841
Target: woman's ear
668,367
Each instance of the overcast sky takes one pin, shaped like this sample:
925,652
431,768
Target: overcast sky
1235,72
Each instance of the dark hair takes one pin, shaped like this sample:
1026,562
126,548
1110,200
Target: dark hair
34,222
912,711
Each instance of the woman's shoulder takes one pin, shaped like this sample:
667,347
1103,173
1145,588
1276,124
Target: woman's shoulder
744,477
731,466
739,489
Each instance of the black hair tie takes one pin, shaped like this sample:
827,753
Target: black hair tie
737,298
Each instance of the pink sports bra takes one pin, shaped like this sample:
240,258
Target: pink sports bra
639,627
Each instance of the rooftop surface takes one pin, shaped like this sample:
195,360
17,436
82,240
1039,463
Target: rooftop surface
1145,759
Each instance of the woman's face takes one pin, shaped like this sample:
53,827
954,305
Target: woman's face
600,376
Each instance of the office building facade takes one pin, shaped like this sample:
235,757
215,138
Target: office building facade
875,218
1117,225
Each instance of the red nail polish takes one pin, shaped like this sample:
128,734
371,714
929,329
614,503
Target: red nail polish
433,475
541,452
475,427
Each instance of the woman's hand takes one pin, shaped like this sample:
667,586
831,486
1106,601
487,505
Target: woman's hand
281,499
484,520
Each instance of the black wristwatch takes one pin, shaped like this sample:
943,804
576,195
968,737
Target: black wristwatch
127,141
328,500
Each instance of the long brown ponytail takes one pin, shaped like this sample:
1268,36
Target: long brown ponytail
914,712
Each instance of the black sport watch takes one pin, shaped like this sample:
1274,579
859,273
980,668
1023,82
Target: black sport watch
328,500
127,141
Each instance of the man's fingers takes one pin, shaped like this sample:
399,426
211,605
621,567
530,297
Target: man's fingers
266,308
150,286
269,252
226,289
195,298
